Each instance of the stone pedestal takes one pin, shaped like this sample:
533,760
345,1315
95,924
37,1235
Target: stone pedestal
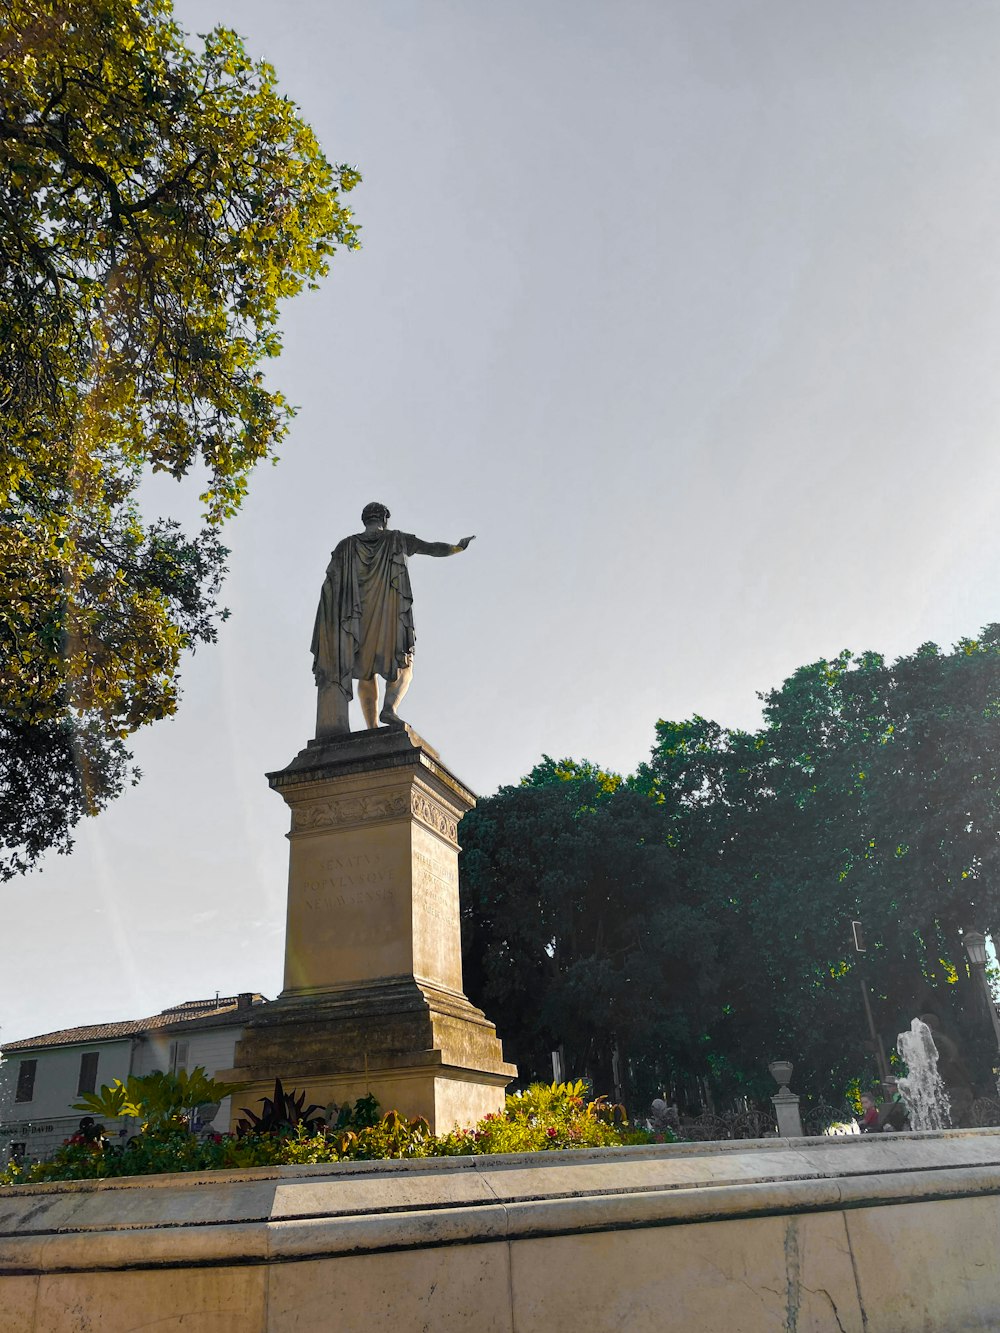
372,998
786,1112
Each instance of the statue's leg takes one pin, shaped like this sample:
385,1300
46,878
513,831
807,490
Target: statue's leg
368,695
331,712
394,692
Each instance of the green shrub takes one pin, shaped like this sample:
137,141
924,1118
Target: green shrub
279,1114
547,1117
163,1102
543,1118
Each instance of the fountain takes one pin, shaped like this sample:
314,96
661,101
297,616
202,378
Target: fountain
926,1099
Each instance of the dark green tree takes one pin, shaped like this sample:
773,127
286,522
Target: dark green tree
698,914
578,931
870,793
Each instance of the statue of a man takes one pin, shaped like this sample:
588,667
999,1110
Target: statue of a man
364,623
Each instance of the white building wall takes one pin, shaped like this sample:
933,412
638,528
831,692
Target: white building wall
211,1048
48,1119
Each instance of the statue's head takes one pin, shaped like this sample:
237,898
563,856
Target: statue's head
375,513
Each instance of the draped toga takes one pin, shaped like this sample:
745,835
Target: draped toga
364,622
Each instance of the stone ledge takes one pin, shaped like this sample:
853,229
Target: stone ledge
266,1215
316,1235
374,1029
391,995
887,1235
364,752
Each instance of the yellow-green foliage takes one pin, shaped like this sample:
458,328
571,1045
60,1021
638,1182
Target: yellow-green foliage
167,200
161,201
546,1117
158,1099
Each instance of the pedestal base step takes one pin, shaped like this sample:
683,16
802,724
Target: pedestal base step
418,1049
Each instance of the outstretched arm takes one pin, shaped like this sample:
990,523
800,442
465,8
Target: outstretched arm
440,548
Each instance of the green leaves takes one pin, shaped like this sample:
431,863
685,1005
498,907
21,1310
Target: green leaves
541,1119
279,1114
157,203
697,915
158,1099
579,927
114,1102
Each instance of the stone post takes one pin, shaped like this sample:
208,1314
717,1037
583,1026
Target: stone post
784,1101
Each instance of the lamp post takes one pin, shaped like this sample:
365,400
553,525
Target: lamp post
860,947
975,947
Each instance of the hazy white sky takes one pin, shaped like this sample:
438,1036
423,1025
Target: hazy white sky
688,310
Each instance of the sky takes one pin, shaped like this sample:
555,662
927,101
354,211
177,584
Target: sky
690,312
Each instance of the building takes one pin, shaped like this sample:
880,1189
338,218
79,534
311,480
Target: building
42,1077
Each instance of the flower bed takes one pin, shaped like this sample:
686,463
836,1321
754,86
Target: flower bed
544,1118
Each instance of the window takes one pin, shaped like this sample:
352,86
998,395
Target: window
88,1071
178,1056
25,1080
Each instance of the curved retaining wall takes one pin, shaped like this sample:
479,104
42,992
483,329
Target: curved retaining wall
860,1235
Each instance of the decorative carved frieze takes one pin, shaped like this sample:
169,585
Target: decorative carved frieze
434,815
347,810
363,809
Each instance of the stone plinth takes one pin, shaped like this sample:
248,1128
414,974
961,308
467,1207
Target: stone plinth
372,998
786,1112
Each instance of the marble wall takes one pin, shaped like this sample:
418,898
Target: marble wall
853,1235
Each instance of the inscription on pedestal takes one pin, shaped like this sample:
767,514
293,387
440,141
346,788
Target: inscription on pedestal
348,906
435,879
349,881
437,936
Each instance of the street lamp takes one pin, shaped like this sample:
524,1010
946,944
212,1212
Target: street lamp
860,947
975,947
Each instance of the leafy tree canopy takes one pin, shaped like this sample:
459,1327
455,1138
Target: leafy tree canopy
579,928
157,203
697,915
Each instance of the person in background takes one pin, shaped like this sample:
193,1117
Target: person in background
868,1119
892,1114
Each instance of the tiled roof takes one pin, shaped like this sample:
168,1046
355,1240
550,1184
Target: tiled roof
216,1012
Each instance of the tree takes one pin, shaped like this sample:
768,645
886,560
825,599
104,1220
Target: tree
871,792
699,913
156,206
578,931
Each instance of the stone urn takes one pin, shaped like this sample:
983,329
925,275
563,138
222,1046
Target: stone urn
781,1072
